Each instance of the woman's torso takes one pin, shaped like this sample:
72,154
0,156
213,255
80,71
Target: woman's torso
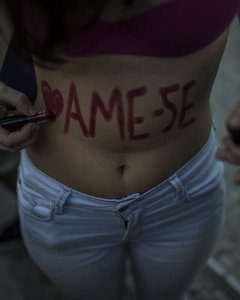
124,123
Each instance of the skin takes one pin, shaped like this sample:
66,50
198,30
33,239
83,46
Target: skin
111,149
54,103
124,145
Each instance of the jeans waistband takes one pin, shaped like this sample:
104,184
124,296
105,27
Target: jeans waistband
197,167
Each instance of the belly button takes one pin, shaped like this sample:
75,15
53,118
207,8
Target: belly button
122,170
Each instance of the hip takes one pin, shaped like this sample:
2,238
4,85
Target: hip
194,195
201,173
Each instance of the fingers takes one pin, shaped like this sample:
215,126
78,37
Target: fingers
234,119
230,153
16,99
226,156
237,177
20,139
2,110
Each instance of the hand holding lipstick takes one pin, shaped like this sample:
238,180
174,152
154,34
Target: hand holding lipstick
26,135
16,122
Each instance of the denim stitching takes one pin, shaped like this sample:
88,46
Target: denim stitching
61,200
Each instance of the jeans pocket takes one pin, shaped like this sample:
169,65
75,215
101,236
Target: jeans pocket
35,205
36,218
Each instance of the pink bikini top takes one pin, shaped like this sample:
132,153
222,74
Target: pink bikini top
175,28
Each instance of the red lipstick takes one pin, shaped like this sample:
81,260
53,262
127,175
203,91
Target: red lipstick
16,122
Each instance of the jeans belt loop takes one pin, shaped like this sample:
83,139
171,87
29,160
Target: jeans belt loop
178,185
64,194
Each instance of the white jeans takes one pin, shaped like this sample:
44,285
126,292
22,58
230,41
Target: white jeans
80,242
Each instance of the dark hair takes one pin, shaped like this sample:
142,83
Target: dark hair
59,21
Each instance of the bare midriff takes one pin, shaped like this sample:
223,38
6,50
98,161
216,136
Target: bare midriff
123,124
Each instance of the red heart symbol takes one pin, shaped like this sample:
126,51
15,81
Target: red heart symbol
53,100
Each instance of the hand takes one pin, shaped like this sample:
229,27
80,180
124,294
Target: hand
230,152
17,140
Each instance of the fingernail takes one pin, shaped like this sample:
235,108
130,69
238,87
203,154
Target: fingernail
32,111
